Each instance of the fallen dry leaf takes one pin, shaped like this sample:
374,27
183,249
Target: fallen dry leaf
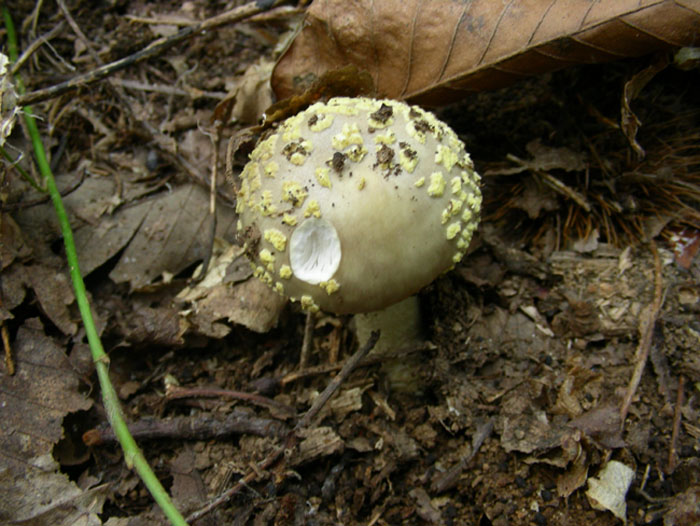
683,509
98,243
174,234
225,294
54,291
12,244
608,491
43,391
43,495
250,97
434,53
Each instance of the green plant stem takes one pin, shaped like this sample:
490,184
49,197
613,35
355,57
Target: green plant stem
132,454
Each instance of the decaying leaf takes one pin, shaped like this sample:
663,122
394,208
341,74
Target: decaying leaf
225,294
55,293
43,391
574,477
98,243
249,98
602,424
608,491
12,244
629,121
317,443
435,52
684,508
42,495
174,235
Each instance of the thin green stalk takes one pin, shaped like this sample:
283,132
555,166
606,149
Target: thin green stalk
132,454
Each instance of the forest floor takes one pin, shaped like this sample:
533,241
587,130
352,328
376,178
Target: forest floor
519,402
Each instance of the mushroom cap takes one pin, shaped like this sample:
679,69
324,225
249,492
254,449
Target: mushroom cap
355,204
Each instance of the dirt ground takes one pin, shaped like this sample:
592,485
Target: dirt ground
518,405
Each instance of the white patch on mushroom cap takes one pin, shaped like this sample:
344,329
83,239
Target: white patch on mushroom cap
314,251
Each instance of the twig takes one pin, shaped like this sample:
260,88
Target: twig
349,367
174,393
153,49
168,90
14,163
372,360
216,140
677,415
271,14
291,439
33,47
556,185
449,478
189,428
78,32
646,331
308,340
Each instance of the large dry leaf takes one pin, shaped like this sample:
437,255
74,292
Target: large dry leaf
227,293
34,401
43,496
435,52
174,234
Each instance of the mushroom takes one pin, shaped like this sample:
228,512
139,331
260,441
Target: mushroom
355,204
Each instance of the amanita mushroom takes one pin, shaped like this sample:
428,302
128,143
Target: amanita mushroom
356,204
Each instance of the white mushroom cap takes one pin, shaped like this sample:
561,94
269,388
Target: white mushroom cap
356,203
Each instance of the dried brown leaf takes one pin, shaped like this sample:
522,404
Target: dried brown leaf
683,509
52,290
435,52
98,243
602,424
55,293
174,234
35,400
218,297
42,495
12,244
251,95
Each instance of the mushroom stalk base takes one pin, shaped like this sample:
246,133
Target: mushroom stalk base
400,326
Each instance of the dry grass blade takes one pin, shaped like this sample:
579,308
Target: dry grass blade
435,52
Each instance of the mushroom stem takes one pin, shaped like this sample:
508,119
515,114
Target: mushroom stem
400,326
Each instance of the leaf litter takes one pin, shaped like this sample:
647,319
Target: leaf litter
532,339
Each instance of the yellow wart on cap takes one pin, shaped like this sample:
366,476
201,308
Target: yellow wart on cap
330,286
453,230
437,184
321,122
313,209
446,156
293,193
285,272
308,304
323,176
387,138
349,136
271,168
276,238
